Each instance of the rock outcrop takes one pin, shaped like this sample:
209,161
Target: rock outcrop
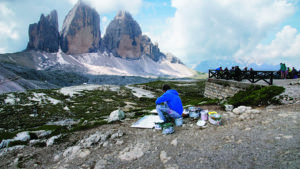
44,35
150,49
123,36
173,59
81,30
81,34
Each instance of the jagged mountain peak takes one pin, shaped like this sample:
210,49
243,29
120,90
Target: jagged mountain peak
123,14
123,36
81,30
44,35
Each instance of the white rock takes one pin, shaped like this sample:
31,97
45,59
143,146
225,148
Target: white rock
228,107
105,144
71,150
88,142
132,153
76,152
163,157
116,115
117,135
4,143
241,109
50,141
23,136
174,142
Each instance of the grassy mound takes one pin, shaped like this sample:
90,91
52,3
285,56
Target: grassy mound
257,95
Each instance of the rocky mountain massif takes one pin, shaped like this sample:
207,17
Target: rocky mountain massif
81,34
77,54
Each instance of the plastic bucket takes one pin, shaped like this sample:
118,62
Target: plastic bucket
204,115
214,118
167,128
178,122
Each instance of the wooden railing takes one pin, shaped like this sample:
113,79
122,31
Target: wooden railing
251,76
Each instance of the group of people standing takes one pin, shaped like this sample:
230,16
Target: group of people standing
287,73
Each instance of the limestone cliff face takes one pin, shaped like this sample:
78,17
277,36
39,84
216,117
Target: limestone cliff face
123,36
150,49
173,59
81,30
44,35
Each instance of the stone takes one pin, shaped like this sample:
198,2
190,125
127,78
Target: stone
241,109
44,35
228,107
81,30
23,136
91,140
174,142
123,36
105,144
51,140
75,152
132,152
117,135
116,115
4,143
163,157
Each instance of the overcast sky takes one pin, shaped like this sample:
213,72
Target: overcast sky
249,31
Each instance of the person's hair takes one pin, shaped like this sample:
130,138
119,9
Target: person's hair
166,87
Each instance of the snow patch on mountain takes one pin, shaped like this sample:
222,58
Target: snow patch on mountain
107,64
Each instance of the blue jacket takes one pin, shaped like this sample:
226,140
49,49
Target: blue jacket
172,99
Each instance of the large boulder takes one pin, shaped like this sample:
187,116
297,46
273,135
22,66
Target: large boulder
44,35
123,36
81,30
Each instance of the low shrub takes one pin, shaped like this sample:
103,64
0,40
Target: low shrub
257,95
